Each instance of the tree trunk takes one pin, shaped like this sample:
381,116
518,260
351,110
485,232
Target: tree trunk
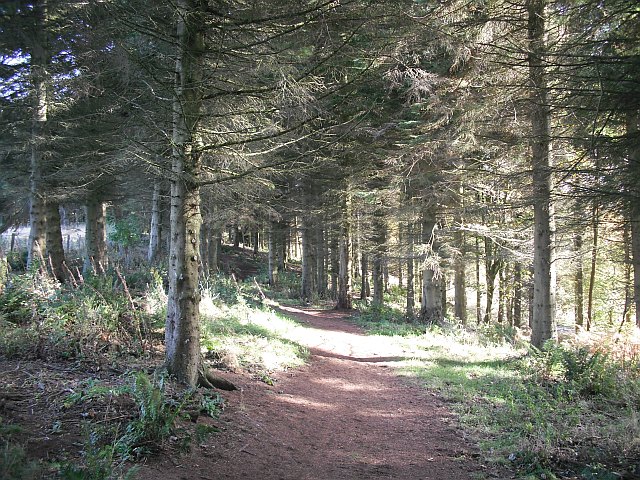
255,240
377,273
594,259
478,289
460,283
213,251
321,257
517,295
634,214
307,287
95,259
544,303
155,228
635,250
364,276
344,258
55,250
626,311
578,283
431,301
182,332
410,307
37,203
335,265
272,264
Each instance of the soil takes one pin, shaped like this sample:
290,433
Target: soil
346,415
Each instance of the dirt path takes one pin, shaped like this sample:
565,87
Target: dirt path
344,416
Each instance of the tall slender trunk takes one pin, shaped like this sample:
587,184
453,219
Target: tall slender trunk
182,331
478,289
95,259
628,295
633,130
213,250
321,261
460,276
503,294
344,258
594,260
578,282
517,295
377,273
410,307
272,264
400,259
55,250
307,286
335,265
544,302
155,228
255,240
37,202
364,276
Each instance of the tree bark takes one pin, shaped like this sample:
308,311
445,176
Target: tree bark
431,301
155,228
365,289
321,261
478,283
410,306
578,283
633,129
517,295
95,259
544,302
343,300
307,286
182,332
55,250
460,279
37,202
594,260
379,242
272,254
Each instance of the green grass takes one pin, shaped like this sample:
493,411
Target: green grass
566,410
246,334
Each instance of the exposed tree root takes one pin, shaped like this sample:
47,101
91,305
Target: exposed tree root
207,379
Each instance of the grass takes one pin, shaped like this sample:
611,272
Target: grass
567,411
246,334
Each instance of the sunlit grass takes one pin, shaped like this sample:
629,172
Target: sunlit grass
567,410
249,336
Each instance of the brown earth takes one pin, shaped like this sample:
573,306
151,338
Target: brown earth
346,415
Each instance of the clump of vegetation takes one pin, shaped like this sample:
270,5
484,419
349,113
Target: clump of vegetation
246,334
42,319
567,409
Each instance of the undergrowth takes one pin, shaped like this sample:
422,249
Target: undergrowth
566,411
243,333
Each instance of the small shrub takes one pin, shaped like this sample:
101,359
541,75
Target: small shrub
156,419
14,464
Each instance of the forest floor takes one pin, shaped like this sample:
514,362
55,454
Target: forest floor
345,415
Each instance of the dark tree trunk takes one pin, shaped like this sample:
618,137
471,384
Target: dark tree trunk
55,250
578,283
95,259
410,307
344,258
156,225
364,276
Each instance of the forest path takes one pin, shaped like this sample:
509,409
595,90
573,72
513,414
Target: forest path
346,415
